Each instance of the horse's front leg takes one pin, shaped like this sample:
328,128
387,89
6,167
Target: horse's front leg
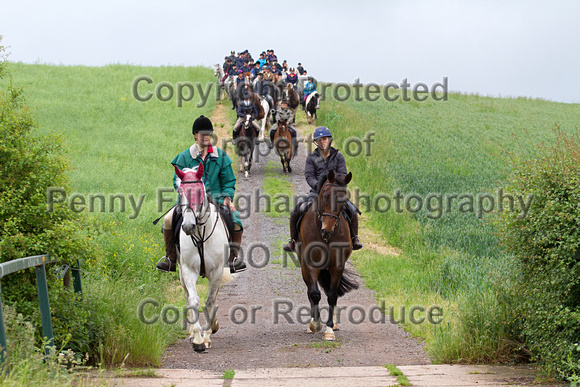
241,161
314,298
283,163
188,281
332,298
210,311
263,128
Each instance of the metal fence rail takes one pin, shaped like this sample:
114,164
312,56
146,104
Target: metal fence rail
38,262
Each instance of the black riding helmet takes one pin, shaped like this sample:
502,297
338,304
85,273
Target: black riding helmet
202,124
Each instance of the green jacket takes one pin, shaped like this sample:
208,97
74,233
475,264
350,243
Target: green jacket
218,175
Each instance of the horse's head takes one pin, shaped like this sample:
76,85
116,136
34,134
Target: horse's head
282,125
248,121
331,200
216,70
191,196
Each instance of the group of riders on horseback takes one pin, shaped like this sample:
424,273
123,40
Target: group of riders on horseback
219,180
265,80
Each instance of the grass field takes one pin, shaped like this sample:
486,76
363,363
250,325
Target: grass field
119,145
449,258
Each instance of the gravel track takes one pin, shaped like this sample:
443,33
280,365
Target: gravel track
266,343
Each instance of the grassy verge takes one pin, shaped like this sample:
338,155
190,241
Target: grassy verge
120,149
447,258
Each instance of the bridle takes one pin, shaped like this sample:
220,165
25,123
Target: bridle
200,237
323,214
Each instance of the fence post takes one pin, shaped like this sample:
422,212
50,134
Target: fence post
76,272
4,349
44,307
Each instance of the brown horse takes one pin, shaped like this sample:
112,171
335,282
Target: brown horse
246,144
292,97
255,98
284,146
324,248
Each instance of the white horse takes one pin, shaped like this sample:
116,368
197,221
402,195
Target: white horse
204,249
267,120
218,71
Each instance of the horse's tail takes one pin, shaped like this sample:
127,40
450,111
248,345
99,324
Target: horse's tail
227,276
348,281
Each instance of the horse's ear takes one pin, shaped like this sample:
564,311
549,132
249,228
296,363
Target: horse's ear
179,172
331,175
199,172
348,178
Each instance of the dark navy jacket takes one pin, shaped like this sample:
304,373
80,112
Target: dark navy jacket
316,166
244,109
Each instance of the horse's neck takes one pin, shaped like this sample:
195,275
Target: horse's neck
208,210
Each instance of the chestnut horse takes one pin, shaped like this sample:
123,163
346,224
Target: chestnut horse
284,146
323,249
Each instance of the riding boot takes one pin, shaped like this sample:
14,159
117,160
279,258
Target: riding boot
291,245
236,264
356,243
272,134
170,259
234,136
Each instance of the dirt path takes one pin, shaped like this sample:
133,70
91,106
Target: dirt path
266,339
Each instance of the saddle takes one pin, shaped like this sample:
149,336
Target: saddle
304,206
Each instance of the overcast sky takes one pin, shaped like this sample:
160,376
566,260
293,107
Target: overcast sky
499,48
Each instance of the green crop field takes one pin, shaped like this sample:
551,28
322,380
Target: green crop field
447,256
450,255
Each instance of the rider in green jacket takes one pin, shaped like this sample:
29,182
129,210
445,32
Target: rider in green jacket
220,183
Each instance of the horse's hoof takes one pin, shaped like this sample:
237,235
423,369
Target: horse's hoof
208,345
309,331
246,174
315,326
216,326
335,327
289,169
329,336
199,347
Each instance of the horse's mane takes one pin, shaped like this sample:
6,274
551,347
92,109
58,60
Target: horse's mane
321,182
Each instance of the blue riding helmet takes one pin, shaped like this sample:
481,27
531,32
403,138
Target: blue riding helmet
322,131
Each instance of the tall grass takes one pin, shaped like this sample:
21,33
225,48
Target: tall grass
119,145
455,261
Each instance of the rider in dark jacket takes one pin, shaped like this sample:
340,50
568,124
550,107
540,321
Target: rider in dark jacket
318,163
246,107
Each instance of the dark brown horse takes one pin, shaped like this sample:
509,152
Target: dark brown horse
245,145
324,248
284,146
292,97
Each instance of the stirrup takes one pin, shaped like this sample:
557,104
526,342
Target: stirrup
164,266
356,243
237,265
290,246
